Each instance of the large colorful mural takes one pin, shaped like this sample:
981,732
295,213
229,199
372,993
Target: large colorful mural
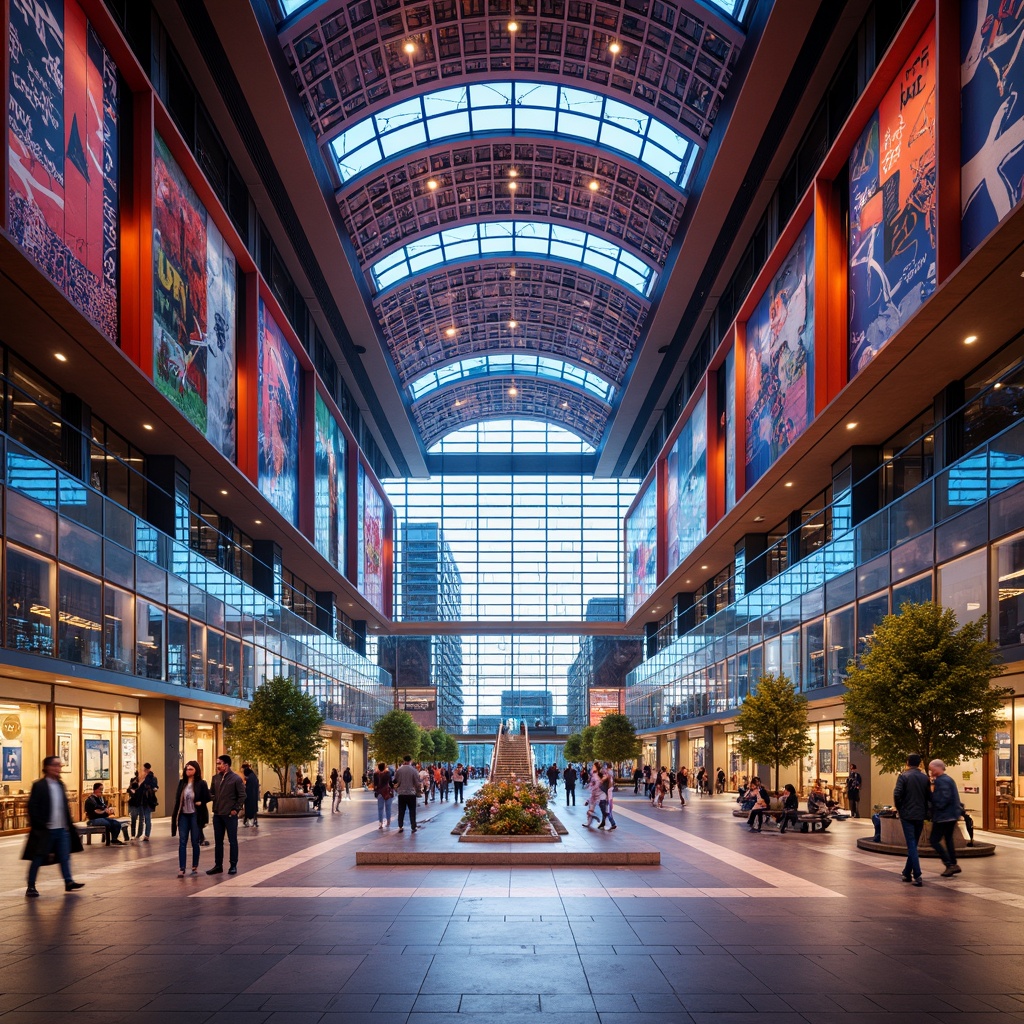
686,479
193,306
63,123
642,549
278,416
779,376
371,541
329,487
729,369
992,115
893,208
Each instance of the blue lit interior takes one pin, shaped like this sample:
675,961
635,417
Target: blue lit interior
507,364
533,108
531,239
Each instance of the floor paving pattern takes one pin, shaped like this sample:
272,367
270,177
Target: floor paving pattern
731,927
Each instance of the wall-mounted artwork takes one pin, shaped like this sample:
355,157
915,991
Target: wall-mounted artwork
64,750
642,549
12,764
278,417
193,306
686,504
893,208
371,541
729,369
63,118
329,486
991,116
779,375
97,760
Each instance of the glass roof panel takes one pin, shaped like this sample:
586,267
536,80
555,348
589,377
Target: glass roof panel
518,435
525,237
505,365
537,108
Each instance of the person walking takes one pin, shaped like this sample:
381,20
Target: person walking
946,811
252,797
569,777
191,814
638,777
458,781
335,786
910,798
594,798
683,781
319,792
98,812
853,784
148,786
346,778
606,786
51,829
227,794
384,792
552,774
424,774
407,785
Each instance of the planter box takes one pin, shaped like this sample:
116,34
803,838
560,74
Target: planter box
551,836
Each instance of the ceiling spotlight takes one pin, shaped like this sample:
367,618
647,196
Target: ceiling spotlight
594,186
789,483
147,426
432,184
511,271
513,391
60,357
513,185
258,522
758,519
410,47
970,339
615,48
565,405
703,566
851,426
458,402
450,332
513,26
513,173
224,493
513,324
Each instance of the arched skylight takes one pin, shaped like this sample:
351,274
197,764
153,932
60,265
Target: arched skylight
492,437
514,237
506,364
510,107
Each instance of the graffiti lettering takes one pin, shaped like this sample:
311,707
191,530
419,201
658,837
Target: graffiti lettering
172,281
891,146
41,18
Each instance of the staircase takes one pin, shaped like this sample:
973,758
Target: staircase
513,758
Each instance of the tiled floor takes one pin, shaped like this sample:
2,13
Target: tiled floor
732,927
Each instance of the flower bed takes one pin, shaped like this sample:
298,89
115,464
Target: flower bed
508,809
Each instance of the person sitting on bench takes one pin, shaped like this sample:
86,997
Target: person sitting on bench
817,801
97,812
790,808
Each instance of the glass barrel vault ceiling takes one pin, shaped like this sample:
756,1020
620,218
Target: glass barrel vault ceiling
476,161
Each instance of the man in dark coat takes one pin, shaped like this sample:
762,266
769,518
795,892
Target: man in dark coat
910,798
227,791
52,829
569,777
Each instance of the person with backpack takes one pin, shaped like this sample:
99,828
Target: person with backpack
384,792
346,777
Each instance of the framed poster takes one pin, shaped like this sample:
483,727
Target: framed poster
842,757
64,751
97,760
825,762
12,764
129,756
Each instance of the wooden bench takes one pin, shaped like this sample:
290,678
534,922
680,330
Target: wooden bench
813,822
88,830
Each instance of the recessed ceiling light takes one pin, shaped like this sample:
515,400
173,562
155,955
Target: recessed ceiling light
565,405
970,339
594,186
513,173
60,357
147,426
513,26
997,385
410,47
758,519
703,566
513,185
224,493
513,391
450,332
513,324
614,48
458,402
851,426
789,483
432,184
258,522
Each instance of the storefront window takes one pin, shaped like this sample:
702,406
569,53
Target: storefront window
22,755
199,743
1010,575
1007,815
29,602
79,632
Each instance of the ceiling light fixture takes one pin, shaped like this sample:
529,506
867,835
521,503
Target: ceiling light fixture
513,173
224,493
594,186
147,426
789,483
60,357
703,566
565,405
513,391
758,519
513,185
513,324
410,47
513,27
615,48
450,332
851,425
258,522
970,339
432,184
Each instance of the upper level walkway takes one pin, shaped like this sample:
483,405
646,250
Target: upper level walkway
800,928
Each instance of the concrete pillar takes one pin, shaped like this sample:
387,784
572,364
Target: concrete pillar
159,742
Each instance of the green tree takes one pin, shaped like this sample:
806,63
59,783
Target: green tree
572,750
394,735
924,687
281,727
773,723
587,734
446,746
425,751
615,740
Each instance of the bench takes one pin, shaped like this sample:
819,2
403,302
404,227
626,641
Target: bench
88,830
813,822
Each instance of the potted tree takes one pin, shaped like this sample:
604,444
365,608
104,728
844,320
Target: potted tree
773,724
281,728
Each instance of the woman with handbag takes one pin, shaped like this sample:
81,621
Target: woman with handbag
191,814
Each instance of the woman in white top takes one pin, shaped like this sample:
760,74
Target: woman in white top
191,814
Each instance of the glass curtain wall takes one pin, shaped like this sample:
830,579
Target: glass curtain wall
526,547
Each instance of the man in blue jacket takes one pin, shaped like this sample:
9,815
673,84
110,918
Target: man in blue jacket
910,798
946,811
